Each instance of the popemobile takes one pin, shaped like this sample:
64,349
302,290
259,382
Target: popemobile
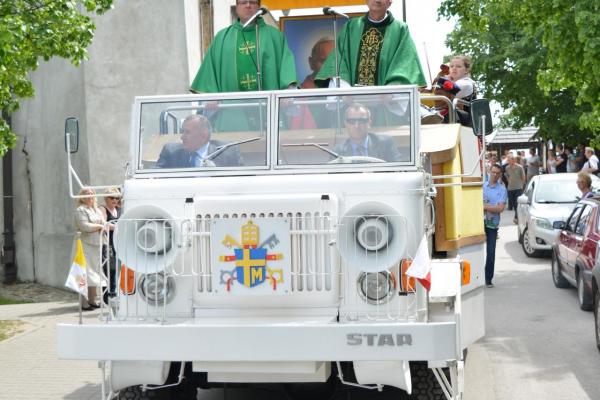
280,256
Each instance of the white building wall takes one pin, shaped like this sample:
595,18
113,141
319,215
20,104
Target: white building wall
140,48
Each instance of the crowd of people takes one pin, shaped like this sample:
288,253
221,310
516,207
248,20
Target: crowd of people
560,159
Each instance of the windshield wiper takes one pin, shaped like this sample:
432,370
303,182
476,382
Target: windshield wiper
207,161
575,200
317,145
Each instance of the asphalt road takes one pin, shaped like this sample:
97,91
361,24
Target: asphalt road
538,343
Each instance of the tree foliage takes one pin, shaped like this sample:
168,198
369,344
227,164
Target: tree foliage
539,59
31,30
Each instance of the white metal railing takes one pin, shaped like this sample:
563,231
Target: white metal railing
154,257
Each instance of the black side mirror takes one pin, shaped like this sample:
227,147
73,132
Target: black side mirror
481,117
559,225
71,135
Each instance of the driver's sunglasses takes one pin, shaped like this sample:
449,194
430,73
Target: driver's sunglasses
353,121
114,198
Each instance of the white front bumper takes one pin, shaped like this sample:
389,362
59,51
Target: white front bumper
310,340
548,235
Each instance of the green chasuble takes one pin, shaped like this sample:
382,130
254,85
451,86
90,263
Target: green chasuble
230,63
366,60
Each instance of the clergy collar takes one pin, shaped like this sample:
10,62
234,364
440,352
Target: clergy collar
388,19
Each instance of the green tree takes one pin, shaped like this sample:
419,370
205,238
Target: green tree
536,60
31,30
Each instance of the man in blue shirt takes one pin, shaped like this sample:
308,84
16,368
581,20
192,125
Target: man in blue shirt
494,199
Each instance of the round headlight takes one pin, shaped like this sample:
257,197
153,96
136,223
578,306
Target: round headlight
154,237
156,290
375,287
373,233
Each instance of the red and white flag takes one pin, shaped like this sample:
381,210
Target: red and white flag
420,268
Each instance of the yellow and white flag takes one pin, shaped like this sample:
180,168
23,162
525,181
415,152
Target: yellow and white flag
77,279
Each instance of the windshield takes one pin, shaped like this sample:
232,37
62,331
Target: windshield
300,129
224,134
332,130
562,191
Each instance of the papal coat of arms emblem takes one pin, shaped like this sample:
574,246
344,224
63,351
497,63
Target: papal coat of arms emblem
249,263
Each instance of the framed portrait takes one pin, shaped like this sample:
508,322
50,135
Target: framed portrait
302,32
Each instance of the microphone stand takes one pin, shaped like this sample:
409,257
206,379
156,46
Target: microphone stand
260,12
336,78
335,49
258,71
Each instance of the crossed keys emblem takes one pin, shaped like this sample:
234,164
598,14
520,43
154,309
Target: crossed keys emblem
251,259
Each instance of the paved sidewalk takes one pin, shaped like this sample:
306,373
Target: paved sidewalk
29,368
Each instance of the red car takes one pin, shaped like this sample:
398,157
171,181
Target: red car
574,252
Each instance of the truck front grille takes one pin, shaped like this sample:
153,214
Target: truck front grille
314,262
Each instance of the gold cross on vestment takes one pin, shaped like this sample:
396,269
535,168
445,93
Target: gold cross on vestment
245,50
248,81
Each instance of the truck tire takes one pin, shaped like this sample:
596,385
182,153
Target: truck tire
424,384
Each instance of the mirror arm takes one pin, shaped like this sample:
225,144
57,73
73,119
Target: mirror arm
73,174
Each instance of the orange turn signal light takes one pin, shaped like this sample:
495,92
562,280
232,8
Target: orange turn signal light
407,283
127,280
466,272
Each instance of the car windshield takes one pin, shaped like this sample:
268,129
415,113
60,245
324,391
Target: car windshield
299,129
549,191
222,134
327,130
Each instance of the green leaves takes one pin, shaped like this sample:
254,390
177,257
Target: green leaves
539,59
31,30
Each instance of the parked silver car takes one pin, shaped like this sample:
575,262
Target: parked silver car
547,198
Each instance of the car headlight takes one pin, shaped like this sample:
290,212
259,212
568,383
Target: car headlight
542,223
373,233
154,236
375,287
157,290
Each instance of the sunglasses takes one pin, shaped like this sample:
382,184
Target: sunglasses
357,120
244,2
114,198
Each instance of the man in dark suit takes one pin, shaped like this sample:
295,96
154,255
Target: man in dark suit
195,146
362,143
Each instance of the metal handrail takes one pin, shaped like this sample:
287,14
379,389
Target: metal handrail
451,107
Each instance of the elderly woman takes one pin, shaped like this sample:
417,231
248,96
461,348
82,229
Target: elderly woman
90,222
111,211
584,183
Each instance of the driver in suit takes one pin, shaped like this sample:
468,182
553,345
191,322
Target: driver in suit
362,143
195,146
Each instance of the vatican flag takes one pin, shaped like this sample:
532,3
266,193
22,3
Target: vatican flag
77,279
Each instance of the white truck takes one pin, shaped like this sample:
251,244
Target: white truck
280,256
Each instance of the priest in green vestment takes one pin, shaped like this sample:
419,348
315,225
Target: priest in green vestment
230,64
375,49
